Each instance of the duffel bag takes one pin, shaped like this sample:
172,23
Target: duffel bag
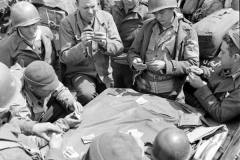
211,30
190,6
235,4
65,5
208,7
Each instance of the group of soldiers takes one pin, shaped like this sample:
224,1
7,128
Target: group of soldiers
149,47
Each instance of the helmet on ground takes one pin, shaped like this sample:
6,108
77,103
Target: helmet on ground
114,146
8,86
24,14
171,144
157,5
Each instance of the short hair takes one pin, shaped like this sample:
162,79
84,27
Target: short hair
233,49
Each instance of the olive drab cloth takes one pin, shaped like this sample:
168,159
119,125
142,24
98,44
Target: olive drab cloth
14,49
74,55
181,52
123,110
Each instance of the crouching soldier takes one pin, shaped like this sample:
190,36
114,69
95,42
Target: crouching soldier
19,138
45,99
219,95
28,41
163,50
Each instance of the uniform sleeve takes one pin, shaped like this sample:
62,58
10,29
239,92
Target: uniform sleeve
6,51
188,57
64,96
135,48
25,126
18,106
114,45
71,53
66,99
221,110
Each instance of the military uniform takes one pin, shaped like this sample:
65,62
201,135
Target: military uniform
88,64
27,106
220,98
176,45
128,25
15,49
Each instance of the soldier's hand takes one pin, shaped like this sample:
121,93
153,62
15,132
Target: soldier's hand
195,80
45,129
100,38
87,37
76,107
196,70
156,65
138,64
207,71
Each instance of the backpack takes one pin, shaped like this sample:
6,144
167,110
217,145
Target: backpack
211,30
51,17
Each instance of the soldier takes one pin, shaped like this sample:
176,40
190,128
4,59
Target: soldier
15,144
29,41
162,51
43,97
219,94
88,37
128,16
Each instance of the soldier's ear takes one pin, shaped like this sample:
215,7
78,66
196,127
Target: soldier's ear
30,87
236,57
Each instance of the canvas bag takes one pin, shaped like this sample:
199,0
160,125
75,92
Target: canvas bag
211,30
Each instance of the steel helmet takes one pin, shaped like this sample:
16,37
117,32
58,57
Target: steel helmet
8,86
171,144
157,5
24,14
235,35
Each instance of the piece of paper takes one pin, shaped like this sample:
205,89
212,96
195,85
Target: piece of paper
135,133
202,132
88,138
141,100
188,120
70,153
